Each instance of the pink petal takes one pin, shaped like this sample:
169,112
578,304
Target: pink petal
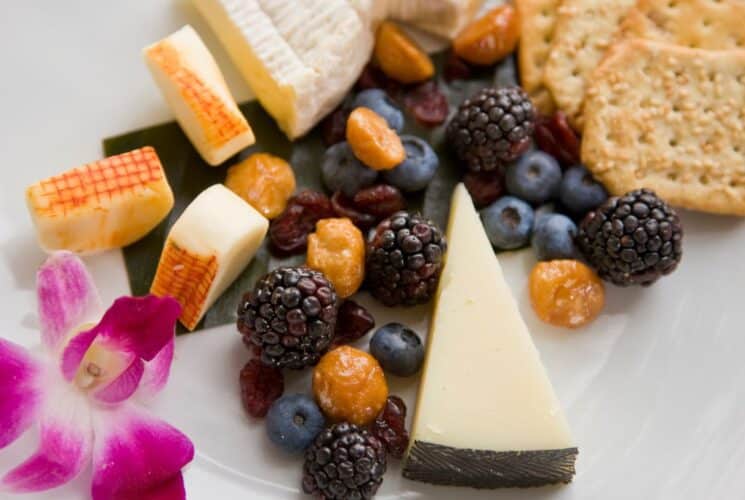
137,456
75,351
20,397
157,372
65,447
123,386
67,297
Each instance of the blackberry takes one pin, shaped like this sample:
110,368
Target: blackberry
344,463
290,315
404,259
492,128
633,239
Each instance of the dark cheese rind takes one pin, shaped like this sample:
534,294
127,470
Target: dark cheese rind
444,465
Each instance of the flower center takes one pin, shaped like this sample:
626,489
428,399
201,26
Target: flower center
99,366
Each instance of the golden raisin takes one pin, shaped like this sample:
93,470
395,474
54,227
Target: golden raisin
566,293
337,249
349,385
265,181
400,57
490,38
372,141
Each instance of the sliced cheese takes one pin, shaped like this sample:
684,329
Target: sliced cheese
445,18
194,87
300,58
103,205
487,415
207,248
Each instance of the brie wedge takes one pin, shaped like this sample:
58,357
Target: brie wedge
207,248
103,205
194,87
299,58
445,18
486,416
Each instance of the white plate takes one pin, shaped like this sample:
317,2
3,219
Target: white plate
654,390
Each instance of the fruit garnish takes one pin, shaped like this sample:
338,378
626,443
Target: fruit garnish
352,323
419,167
288,233
334,126
398,349
265,181
456,68
580,192
484,187
345,207
373,142
293,422
379,101
399,56
369,205
390,427
566,293
342,171
337,249
535,177
554,136
553,237
427,104
261,385
508,222
490,38
349,385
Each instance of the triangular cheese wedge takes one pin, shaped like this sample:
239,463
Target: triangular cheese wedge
487,416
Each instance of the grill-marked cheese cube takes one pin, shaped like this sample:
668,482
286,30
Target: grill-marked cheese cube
207,248
486,416
103,205
194,87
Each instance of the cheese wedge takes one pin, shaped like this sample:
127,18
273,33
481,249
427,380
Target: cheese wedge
207,248
486,416
445,18
194,87
103,205
300,58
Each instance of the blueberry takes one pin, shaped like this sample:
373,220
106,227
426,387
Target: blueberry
535,177
508,222
398,349
342,171
543,210
417,170
553,237
580,192
293,422
378,101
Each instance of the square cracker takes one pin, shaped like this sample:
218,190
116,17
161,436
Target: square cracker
671,119
537,19
704,24
584,31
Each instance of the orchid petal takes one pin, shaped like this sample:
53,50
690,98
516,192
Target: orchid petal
20,397
157,372
65,447
67,297
137,456
74,352
123,386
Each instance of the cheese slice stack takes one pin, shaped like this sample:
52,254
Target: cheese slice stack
487,416
300,58
194,87
103,205
445,18
208,247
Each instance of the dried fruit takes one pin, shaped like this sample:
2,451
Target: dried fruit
349,385
566,293
344,207
390,427
400,57
373,142
265,181
489,38
456,68
261,385
380,201
427,104
352,323
288,233
334,126
554,136
485,187
337,249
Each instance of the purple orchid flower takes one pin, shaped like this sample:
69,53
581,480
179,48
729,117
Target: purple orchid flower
84,391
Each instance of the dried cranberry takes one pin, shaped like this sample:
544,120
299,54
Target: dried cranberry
373,77
485,187
352,322
334,127
380,201
261,385
288,233
427,104
390,427
344,207
554,136
456,68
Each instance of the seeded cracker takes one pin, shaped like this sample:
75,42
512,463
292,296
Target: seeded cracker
537,19
671,119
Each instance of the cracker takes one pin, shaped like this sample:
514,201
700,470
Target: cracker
584,31
671,119
537,18
704,24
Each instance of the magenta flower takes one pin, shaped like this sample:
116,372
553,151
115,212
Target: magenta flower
84,391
